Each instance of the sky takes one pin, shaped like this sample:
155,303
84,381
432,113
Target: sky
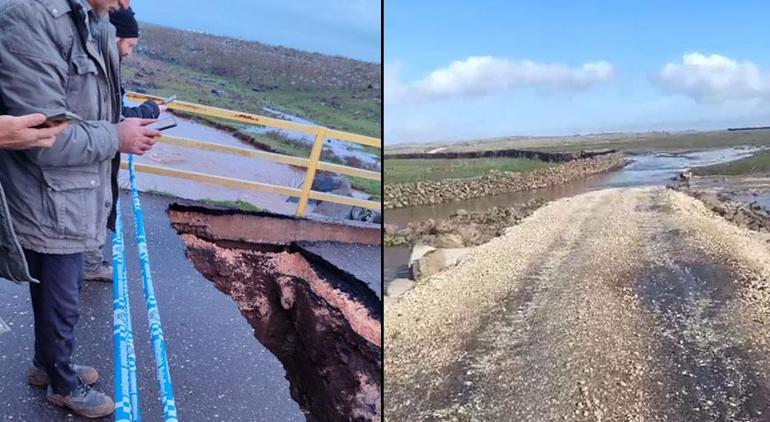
348,28
479,69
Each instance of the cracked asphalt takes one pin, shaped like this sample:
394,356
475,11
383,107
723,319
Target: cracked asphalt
218,368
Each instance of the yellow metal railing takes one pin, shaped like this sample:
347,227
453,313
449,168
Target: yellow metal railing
312,163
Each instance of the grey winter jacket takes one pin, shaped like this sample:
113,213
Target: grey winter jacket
50,61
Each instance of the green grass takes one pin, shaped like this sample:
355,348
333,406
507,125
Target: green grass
414,170
757,163
372,187
161,193
629,142
241,205
353,113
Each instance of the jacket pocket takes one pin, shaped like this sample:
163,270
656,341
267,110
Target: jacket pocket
83,88
70,203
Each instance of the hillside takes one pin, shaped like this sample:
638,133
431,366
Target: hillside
333,91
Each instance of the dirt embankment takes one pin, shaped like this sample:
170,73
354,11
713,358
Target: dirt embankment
620,304
751,216
461,229
496,183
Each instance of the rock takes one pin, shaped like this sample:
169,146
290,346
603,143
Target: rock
327,183
398,287
448,240
685,176
331,209
418,251
496,182
435,261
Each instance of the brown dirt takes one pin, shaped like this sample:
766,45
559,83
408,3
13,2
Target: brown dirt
327,341
470,228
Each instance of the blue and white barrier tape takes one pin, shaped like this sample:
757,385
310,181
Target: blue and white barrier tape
156,331
126,391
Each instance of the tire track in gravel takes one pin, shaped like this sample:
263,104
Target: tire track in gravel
704,371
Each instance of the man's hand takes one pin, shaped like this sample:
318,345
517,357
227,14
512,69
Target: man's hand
162,107
20,132
135,138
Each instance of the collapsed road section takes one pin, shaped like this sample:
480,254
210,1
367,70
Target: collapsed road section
318,316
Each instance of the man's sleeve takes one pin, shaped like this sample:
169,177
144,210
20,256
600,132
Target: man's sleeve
33,79
148,110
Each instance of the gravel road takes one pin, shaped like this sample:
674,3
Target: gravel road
621,304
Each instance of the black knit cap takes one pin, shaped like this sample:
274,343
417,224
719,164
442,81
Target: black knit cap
125,23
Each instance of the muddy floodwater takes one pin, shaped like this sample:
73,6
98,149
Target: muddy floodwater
650,169
227,165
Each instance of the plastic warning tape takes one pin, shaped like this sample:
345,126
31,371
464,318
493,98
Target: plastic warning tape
153,315
126,391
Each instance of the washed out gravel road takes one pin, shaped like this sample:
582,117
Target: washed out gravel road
621,304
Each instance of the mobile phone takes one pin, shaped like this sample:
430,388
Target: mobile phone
58,118
169,100
163,124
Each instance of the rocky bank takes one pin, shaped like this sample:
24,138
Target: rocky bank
495,183
461,229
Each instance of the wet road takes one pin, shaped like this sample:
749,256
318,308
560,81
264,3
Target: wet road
219,370
620,304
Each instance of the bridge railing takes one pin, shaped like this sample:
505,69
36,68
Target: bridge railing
313,163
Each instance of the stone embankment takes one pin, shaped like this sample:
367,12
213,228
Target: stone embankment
496,182
461,229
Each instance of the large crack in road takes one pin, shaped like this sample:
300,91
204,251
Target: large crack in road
623,304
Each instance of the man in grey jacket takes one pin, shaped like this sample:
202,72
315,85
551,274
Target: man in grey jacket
19,133
55,56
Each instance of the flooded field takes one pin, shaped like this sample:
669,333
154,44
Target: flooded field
649,169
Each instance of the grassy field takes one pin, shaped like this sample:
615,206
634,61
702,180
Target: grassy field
758,163
629,142
360,115
414,170
246,76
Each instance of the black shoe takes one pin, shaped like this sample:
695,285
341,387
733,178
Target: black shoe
84,400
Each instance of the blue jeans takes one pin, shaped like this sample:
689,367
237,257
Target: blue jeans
56,305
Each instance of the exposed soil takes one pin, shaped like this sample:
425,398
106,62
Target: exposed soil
620,304
461,229
751,216
324,326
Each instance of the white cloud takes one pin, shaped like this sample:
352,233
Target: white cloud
478,76
714,79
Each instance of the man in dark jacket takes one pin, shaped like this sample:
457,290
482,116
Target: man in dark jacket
127,37
56,56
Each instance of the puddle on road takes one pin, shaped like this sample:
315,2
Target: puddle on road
323,324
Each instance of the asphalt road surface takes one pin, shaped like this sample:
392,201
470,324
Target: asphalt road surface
620,304
219,370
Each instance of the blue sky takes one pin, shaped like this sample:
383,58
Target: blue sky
349,28
461,69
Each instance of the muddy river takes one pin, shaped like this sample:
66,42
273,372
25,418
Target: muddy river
647,169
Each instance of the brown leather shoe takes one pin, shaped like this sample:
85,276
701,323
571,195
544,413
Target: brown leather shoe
39,378
84,401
